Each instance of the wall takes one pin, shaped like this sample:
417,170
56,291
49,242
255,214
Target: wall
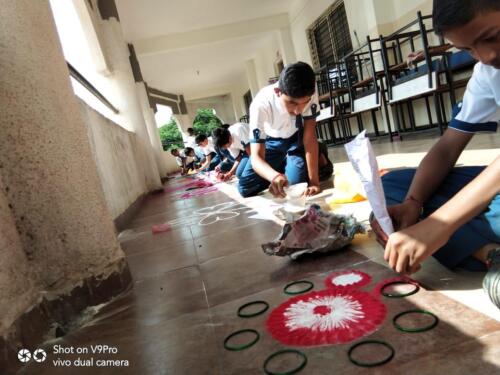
55,228
119,156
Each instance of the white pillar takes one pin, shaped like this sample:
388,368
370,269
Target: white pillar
252,77
286,46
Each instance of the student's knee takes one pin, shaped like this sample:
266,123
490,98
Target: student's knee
246,188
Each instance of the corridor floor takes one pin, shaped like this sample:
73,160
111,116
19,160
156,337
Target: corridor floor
190,281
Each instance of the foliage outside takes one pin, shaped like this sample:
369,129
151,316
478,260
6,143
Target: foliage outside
205,121
170,136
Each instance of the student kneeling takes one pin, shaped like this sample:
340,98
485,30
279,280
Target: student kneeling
284,147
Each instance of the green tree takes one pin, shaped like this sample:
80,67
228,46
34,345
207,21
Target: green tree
205,121
170,136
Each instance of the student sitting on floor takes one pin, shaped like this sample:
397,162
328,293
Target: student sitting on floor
284,146
453,213
235,139
184,161
213,157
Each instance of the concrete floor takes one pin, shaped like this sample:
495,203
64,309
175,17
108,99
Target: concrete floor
190,281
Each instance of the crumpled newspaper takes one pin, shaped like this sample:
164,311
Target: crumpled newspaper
315,231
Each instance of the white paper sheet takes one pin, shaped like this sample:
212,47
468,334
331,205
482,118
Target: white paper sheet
363,160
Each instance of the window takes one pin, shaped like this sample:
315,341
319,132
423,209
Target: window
329,36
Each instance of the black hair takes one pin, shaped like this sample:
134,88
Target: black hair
173,150
297,80
200,138
450,14
221,136
225,126
190,131
188,150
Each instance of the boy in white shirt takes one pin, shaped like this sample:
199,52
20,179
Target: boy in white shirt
213,158
453,213
283,141
236,140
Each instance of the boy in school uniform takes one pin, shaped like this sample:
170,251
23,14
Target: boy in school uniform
184,161
453,213
284,147
236,140
213,157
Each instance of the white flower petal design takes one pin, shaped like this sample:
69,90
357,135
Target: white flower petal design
347,279
324,313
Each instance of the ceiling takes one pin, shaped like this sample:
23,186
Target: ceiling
149,18
195,67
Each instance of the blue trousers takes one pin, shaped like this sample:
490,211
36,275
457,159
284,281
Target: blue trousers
469,238
224,165
284,155
241,167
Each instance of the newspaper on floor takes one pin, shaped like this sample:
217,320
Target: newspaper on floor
363,160
315,231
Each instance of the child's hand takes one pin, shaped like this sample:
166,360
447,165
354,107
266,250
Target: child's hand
277,185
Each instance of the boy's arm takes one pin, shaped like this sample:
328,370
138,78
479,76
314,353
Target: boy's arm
431,172
406,249
311,151
206,163
264,170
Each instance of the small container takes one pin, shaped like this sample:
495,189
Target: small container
295,195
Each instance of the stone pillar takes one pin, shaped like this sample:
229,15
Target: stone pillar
286,46
252,77
154,135
54,224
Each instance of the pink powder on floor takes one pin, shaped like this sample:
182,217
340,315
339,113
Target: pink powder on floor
160,228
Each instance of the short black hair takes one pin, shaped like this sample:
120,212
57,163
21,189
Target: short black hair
174,151
221,136
297,80
225,126
188,150
200,138
450,14
190,131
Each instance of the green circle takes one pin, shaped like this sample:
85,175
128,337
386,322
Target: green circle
389,295
371,364
262,311
309,286
244,346
415,330
281,352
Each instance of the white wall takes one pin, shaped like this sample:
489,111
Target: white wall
120,156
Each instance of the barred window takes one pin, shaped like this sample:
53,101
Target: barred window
329,36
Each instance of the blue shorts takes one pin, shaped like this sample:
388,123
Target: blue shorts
285,155
481,230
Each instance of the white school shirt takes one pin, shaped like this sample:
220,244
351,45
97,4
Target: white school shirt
190,141
209,148
240,133
182,158
480,111
269,117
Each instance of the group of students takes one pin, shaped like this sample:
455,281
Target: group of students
451,213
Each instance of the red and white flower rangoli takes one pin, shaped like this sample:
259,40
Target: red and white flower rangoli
331,316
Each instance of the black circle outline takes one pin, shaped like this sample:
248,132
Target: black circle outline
281,352
244,346
371,364
242,307
389,295
306,289
415,330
